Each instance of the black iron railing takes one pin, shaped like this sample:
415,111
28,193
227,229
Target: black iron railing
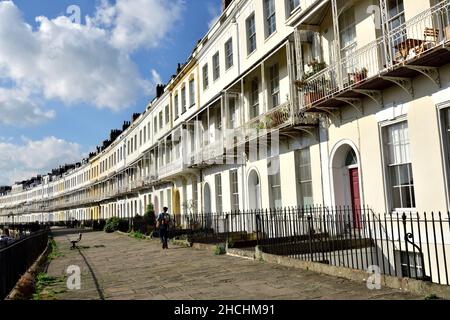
17,257
406,244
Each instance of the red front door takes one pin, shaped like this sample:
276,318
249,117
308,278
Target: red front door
356,199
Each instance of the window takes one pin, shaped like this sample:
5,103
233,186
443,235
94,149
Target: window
216,66
169,198
176,106
293,4
132,145
192,93
148,130
399,170
275,85
251,33
254,98
155,125
234,184
218,183
411,264
140,137
205,77
135,142
396,12
445,120
347,35
232,114
273,168
145,134
270,16
304,177
167,113
183,100
229,54
161,120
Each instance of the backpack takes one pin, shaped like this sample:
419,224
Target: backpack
164,220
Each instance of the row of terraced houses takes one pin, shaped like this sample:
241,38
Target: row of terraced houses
282,103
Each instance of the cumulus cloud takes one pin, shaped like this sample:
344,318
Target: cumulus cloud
76,63
18,108
139,23
20,161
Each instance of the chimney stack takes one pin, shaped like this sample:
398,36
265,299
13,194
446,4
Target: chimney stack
225,4
159,90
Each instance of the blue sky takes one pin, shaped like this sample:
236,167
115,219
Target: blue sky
61,86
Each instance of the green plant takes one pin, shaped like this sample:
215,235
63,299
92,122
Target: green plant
137,235
112,225
432,297
149,215
54,253
316,67
43,282
219,249
230,243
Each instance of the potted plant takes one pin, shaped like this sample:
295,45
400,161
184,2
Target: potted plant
311,91
360,75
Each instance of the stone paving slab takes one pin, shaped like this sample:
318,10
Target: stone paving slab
118,267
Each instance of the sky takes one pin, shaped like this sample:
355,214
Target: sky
72,70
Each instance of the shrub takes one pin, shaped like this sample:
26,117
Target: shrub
149,215
98,225
219,249
112,225
137,235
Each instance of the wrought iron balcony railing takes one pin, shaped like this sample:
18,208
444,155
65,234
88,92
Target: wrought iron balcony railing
410,41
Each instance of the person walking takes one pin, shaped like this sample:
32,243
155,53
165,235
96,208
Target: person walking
163,223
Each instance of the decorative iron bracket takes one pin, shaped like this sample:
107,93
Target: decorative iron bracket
356,103
312,131
431,73
329,112
404,83
375,95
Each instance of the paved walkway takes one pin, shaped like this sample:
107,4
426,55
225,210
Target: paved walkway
114,266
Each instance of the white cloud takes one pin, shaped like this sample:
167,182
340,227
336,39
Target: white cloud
214,12
76,63
156,78
17,107
140,23
20,161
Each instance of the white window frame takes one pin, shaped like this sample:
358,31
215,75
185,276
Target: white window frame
191,93
216,66
270,17
205,73
384,154
251,34
229,58
234,190
445,147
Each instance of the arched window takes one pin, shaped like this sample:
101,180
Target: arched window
351,158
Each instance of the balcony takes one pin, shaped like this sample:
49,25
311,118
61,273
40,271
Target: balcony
171,169
421,46
276,119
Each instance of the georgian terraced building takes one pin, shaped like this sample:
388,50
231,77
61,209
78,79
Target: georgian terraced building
282,103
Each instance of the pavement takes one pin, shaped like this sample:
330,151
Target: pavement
118,267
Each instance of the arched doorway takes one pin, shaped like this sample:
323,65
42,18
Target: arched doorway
346,183
207,205
254,191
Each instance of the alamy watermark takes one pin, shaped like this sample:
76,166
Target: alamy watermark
374,280
74,277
